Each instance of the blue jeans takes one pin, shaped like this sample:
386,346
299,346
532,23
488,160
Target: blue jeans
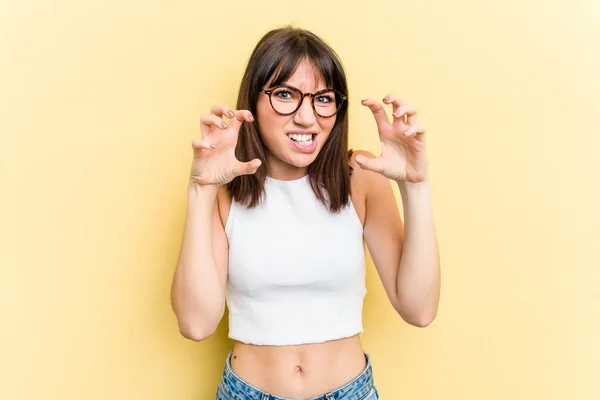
232,387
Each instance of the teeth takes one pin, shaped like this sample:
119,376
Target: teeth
301,138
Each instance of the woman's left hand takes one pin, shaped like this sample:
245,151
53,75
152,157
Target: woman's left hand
403,156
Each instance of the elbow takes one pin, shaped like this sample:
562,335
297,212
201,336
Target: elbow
423,322
196,332
197,325
421,319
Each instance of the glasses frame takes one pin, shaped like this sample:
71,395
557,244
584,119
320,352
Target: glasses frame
312,96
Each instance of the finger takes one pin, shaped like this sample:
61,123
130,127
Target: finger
247,168
370,164
407,111
208,121
378,110
240,117
222,110
415,130
199,144
394,101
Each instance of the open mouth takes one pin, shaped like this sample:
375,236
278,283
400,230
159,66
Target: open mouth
304,139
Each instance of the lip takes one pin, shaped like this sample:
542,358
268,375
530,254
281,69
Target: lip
299,147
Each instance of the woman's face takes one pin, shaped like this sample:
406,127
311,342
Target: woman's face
288,151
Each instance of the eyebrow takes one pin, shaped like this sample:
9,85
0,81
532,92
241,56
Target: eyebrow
295,88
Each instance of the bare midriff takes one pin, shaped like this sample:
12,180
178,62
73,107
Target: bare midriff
301,371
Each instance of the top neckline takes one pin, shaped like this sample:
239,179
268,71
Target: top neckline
287,182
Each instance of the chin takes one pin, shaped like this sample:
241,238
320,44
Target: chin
302,160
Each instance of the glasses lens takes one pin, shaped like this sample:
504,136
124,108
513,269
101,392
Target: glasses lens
285,100
327,103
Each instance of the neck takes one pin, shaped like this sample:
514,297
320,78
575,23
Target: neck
285,172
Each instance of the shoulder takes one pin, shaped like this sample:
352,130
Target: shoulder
362,180
363,183
371,187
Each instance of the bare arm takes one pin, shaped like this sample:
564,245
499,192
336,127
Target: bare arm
198,288
406,256
419,270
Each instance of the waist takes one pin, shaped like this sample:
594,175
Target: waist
287,323
300,371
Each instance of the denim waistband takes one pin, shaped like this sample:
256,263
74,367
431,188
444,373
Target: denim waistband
236,388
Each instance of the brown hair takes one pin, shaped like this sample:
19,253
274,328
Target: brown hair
278,54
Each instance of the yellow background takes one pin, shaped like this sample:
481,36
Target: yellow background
99,102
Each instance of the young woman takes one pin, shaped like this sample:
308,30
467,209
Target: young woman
278,209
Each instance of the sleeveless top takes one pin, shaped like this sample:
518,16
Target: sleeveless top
296,270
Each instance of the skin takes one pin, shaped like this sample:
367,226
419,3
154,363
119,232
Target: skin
284,161
305,370
405,256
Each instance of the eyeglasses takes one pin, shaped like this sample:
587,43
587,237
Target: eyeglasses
286,100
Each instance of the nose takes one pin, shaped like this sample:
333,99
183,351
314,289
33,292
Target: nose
305,115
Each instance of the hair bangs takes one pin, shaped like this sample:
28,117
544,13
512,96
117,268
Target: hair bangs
325,67
273,61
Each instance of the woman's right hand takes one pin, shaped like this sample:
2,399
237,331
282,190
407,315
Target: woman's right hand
214,160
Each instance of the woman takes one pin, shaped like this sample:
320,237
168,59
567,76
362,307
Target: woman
277,212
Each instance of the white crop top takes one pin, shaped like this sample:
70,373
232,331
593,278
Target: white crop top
296,270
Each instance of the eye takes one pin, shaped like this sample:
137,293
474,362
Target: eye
325,98
284,94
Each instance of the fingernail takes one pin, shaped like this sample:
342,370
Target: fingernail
231,114
223,125
251,118
406,132
212,146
